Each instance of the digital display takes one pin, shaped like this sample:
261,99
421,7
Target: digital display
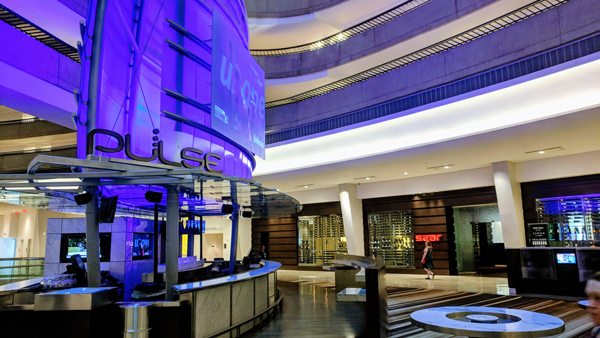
566,258
141,247
238,90
76,244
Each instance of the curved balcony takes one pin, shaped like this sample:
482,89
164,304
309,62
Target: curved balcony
284,9
548,30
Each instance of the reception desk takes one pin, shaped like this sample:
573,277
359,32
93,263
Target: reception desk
221,303
552,270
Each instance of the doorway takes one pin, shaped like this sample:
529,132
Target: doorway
212,246
479,241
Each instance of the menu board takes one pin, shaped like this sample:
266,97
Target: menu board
538,234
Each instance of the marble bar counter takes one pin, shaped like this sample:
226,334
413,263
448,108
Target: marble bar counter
220,303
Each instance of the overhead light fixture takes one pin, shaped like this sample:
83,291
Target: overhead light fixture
446,167
83,199
367,178
405,173
542,151
304,186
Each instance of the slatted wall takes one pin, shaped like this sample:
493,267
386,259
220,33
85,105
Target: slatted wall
283,233
282,243
431,214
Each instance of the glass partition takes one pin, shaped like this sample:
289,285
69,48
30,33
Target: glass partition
573,221
19,269
391,237
319,238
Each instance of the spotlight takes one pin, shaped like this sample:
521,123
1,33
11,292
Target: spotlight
82,199
153,197
247,213
227,209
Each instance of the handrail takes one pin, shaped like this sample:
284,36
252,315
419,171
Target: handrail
38,151
362,27
489,27
239,325
19,266
21,121
24,258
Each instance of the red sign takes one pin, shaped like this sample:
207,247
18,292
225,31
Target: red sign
425,238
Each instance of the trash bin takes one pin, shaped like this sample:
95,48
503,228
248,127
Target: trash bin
137,320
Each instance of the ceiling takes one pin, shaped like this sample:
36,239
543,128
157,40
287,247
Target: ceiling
273,33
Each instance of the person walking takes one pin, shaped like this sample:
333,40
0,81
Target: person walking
427,260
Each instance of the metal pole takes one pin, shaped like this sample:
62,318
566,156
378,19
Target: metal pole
94,86
172,234
155,239
92,229
234,229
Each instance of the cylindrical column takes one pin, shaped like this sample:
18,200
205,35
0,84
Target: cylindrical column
94,87
92,229
136,318
172,234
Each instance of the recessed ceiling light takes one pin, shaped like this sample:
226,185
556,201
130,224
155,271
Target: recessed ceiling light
446,167
368,178
541,151
306,186
405,173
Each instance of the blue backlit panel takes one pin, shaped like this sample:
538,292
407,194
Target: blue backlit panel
238,90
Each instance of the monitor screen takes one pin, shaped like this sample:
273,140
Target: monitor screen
76,244
566,258
142,245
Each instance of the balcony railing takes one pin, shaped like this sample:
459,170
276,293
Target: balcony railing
19,269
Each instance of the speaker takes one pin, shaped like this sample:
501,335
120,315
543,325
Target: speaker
82,199
153,197
108,207
227,209
247,214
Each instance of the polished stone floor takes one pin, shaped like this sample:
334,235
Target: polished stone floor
491,285
311,311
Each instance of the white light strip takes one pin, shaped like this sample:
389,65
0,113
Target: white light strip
563,89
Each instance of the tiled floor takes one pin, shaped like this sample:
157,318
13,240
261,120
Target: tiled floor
490,285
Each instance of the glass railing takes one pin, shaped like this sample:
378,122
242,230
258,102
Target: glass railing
19,269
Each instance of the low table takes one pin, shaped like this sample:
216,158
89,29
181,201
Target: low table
476,321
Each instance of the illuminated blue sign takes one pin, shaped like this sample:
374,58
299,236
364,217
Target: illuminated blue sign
238,90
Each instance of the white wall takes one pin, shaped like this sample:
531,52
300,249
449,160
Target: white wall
221,225
558,167
316,195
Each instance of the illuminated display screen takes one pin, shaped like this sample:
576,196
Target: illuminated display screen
566,258
76,244
238,90
141,247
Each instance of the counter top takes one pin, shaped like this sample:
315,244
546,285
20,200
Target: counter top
18,286
268,267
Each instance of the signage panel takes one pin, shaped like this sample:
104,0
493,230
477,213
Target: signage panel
238,90
425,238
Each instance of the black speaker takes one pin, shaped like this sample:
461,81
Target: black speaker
227,209
108,207
153,197
247,214
82,199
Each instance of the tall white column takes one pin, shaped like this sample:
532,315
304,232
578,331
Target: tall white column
510,204
353,219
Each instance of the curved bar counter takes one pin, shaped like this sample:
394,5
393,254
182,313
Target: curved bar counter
223,303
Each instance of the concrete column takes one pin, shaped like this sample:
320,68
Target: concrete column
92,235
172,234
353,219
510,204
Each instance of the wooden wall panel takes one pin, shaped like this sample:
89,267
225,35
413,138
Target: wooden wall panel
282,234
431,214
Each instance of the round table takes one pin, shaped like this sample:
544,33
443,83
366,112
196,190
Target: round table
470,321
